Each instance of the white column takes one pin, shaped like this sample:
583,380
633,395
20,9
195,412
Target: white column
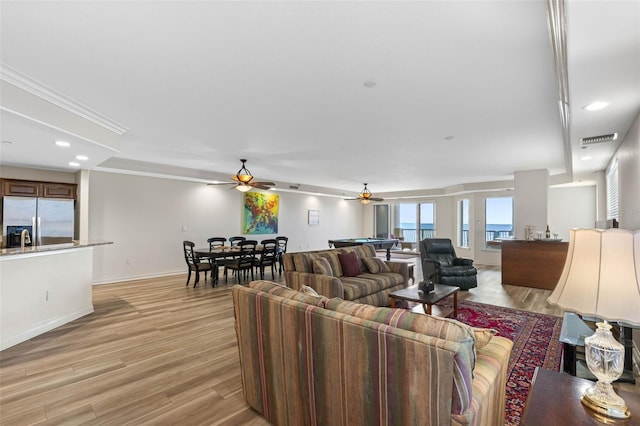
531,201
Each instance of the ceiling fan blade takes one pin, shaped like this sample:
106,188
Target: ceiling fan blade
260,185
221,183
263,183
376,199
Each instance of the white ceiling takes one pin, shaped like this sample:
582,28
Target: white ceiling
195,86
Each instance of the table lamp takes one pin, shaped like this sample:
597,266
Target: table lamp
601,279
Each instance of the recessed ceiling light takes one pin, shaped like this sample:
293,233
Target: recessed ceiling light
82,157
74,164
586,157
64,144
369,84
595,106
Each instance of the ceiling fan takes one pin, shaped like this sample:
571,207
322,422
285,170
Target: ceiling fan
365,196
244,180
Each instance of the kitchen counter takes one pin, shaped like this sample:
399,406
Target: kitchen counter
51,247
44,287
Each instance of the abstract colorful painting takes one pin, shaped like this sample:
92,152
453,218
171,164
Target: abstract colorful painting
260,213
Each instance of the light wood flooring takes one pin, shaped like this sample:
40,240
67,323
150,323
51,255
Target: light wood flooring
156,352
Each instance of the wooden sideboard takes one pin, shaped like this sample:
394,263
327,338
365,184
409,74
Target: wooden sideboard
536,264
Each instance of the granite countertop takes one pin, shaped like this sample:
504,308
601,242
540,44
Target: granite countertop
52,247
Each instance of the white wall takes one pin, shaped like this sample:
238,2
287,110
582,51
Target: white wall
572,207
147,218
530,201
628,155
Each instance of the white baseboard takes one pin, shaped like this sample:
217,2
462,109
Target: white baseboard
8,341
138,277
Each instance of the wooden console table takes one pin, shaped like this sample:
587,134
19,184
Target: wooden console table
536,264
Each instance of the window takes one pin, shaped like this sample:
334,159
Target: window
498,220
427,221
612,190
463,224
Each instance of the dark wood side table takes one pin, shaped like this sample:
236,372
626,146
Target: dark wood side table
554,399
428,300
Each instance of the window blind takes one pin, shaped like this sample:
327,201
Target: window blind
611,178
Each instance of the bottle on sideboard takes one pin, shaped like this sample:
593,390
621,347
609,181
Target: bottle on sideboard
547,233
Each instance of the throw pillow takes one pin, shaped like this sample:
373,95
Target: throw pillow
375,265
321,266
483,336
288,293
305,289
350,264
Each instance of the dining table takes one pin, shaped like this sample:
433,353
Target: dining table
222,252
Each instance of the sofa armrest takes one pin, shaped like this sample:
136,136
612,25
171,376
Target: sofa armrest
430,269
401,268
489,384
324,285
462,261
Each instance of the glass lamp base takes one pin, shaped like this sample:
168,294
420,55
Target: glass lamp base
602,399
605,357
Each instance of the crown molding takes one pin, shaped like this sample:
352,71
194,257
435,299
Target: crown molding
30,85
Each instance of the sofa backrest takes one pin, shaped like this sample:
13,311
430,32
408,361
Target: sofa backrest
439,249
303,364
303,261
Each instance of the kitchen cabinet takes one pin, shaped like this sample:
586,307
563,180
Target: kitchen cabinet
28,188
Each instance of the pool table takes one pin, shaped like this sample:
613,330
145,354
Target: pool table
378,243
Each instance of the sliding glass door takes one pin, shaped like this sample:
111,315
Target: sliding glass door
412,222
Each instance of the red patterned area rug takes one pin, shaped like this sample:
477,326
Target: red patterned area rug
535,344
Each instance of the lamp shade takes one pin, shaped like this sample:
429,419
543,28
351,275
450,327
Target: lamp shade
601,276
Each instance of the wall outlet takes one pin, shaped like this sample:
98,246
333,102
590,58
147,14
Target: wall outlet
129,261
48,296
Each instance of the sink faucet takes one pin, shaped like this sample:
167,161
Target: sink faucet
25,238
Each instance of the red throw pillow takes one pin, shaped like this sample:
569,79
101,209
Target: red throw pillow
350,264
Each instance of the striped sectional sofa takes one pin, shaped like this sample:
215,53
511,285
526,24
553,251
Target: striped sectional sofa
370,287
310,360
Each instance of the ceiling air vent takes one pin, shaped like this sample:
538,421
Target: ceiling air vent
600,139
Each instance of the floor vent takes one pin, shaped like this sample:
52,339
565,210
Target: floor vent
599,139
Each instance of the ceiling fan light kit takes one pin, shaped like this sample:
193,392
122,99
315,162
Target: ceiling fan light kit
365,196
244,175
244,180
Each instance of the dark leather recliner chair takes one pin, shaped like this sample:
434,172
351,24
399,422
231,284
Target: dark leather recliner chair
441,265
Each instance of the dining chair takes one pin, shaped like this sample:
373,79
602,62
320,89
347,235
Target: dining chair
234,241
216,242
195,263
268,257
243,261
282,249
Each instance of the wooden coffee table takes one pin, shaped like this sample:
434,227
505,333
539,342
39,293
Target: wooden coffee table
428,300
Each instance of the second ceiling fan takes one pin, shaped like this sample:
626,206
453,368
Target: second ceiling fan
365,196
244,180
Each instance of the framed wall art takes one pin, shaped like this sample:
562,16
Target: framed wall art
314,217
260,213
